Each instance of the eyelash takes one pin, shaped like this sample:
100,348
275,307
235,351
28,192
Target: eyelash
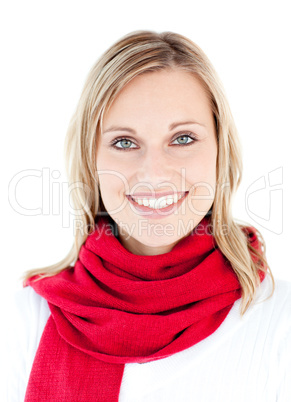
189,135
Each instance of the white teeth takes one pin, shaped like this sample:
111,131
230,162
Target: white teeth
158,203
161,203
151,203
170,200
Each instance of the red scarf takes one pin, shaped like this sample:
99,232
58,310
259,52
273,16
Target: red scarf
114,307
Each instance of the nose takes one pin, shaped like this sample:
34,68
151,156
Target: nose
155,167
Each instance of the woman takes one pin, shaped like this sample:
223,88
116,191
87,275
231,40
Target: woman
163,297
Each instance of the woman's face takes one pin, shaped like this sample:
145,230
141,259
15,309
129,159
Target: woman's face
158,144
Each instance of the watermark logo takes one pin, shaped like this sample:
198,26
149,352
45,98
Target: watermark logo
263,198
264,201
54,195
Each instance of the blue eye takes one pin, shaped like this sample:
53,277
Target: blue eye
125,143
185,139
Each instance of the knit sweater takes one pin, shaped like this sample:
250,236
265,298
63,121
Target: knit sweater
247,359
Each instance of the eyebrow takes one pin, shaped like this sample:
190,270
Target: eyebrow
171,127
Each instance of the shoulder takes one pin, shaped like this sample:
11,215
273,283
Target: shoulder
282,320
28,315
27,301
276,307
30,312
279,304
282,311
283,289
269,317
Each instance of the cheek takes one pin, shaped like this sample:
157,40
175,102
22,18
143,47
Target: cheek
113,181
111,191
108,161
201,177
201,169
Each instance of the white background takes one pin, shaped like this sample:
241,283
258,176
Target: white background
47,49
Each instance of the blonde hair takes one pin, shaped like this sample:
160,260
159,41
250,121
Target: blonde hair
137,53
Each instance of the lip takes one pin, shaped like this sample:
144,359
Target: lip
156,194
157,213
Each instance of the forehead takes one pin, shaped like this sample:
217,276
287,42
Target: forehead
159,94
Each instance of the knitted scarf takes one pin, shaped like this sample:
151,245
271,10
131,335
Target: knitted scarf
114,307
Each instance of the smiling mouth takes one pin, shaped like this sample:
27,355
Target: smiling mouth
147,203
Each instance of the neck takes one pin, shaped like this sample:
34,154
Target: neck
138,248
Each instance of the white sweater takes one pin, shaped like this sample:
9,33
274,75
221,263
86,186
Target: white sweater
245,360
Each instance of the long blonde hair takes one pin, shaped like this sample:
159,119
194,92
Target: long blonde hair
137,53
